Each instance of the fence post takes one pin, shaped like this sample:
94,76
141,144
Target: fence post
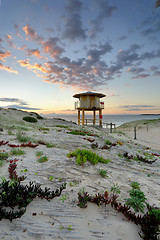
110,127
135,132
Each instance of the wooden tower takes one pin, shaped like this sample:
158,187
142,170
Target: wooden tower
89,101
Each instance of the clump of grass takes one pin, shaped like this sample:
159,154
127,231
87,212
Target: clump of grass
62,126
76,132
135,185
23,138
81,132
120,143
44,129
51,178
10,132
42,159
39,153
108,142
50,145
83,155
3,156
115,189
102,173
17,152
136,200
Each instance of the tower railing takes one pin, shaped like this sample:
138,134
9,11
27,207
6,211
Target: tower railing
77,105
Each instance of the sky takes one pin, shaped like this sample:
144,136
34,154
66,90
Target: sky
52,49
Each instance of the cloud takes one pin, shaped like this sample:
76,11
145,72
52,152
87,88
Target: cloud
31,33
35,67
21,107
12,100
156,73
142,75
50,30
139,107
4,55
8,69
9,40
89,72
19,104
135,70
105,11
51,47
154,29
122,38
131,58
95,54
73,22
34,52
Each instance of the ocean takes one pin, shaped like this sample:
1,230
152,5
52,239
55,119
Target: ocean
115,119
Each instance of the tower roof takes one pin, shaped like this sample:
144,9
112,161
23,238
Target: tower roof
100,95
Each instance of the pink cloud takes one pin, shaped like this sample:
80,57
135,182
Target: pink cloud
34,52
30,32
51,47
4,55
35,67
8,69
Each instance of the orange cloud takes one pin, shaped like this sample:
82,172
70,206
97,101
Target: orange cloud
34,52
4,55
8,69
9,36
30,32
9,40
51,46
36,67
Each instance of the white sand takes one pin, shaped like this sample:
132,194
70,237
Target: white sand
54,219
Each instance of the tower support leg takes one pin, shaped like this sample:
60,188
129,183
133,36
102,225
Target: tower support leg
82,117
94,117
100,117
79,116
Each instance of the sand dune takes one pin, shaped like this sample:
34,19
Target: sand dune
61,218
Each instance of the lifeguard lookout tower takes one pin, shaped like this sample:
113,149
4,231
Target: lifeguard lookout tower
89,101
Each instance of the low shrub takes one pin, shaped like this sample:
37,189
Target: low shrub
39,153
3,156
30,119
17,196
83,155
136,200
39,117
42,159
108,142
102,173
17,152
22,138
62,126
50,145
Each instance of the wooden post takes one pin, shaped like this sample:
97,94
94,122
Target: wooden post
135,132
79,116
82,117
110,127
100,117
94,117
